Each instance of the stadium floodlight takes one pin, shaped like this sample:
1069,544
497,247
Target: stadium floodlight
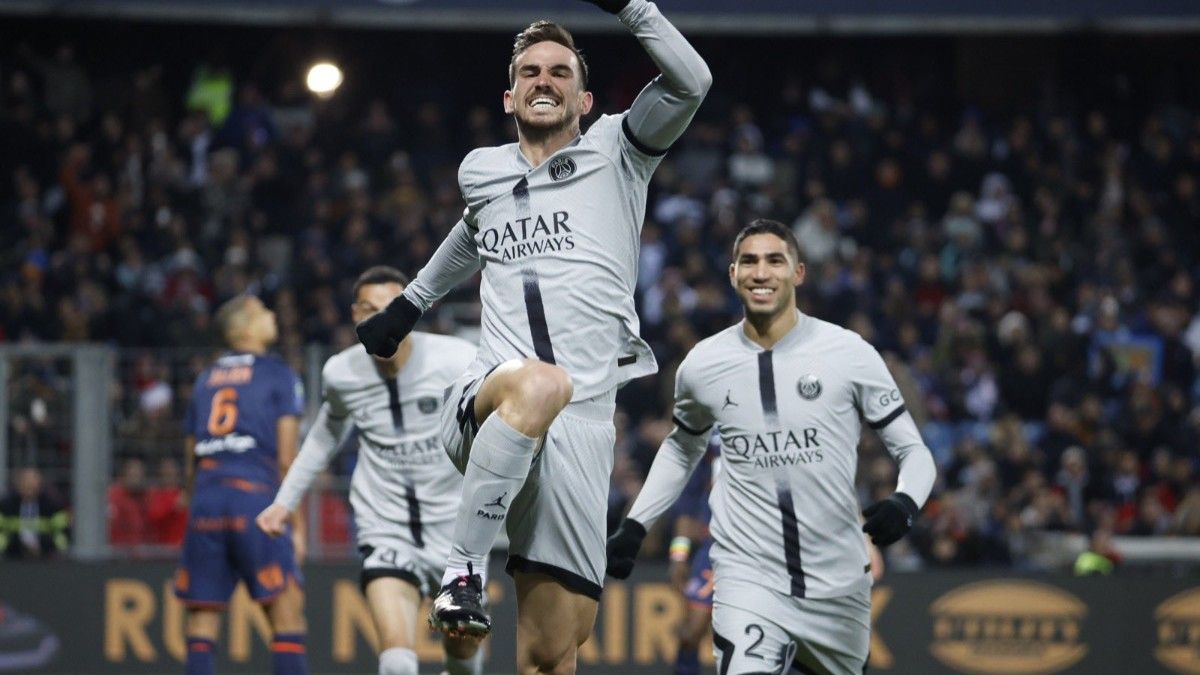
323,78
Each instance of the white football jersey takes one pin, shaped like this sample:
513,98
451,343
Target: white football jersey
559,247
784,506
404,480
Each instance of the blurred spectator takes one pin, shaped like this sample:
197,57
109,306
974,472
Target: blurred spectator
211,93
128,521
166,505
66,88
1101,557
33,524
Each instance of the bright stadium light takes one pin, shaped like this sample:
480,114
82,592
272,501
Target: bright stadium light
323,79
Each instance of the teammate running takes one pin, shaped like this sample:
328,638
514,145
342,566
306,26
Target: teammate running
404,491
788,394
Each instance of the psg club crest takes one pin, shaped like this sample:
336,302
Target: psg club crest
427,404
809,387
561,168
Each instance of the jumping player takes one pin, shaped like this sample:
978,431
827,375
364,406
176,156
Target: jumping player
555,221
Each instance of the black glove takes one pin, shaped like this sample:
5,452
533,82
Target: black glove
889,519
612,7
623,547
382,332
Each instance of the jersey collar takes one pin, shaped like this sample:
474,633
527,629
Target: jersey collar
797,334
528,165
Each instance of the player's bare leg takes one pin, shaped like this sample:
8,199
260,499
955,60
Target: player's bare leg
551,624
463,655
201,626
527,394
395,605
515,406
286,614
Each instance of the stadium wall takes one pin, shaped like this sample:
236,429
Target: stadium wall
106,618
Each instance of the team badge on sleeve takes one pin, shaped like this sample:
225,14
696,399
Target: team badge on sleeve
809,387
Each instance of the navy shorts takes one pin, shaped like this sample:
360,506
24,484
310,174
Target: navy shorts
223,546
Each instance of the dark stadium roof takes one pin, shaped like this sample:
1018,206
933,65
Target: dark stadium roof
716,16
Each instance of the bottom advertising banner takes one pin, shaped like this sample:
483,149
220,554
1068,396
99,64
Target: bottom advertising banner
122,618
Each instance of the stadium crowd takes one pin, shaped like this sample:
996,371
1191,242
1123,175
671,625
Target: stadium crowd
1030,275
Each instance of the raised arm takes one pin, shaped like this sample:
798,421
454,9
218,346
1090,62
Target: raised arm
664,108
456,259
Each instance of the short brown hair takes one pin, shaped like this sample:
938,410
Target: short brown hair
544,31
379,274
767,226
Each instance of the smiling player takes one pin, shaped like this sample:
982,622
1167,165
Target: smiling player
555,221
790,562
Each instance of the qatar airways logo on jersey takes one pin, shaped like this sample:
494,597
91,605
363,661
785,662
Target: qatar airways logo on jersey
409,453
775,449
524,237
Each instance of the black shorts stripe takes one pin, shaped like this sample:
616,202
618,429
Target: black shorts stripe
368,575
791,541
766,387
695,432
571,581
394,405
726,648
887,420
629,360
633,140
537,316
414,515
468,416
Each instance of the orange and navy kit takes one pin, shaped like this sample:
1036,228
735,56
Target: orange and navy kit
233,416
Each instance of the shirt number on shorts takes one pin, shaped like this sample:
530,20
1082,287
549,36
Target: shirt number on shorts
750,651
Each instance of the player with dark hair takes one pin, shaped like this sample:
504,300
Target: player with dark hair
405,492
555,222
788,394
242,431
